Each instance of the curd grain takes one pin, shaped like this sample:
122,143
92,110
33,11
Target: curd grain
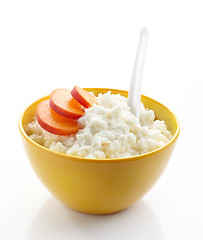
109,130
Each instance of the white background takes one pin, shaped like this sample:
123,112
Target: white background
92,43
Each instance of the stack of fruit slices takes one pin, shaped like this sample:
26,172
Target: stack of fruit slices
59,114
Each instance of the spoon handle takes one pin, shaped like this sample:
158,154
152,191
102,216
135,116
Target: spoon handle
134,95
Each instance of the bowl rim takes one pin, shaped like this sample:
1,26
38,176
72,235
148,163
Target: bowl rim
102,160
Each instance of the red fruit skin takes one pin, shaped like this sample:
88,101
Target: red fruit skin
62,103
53,122
83,97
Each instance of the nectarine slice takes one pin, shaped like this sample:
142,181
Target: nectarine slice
53,122
83,97
64,104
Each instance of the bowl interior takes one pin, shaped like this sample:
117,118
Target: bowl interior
161,112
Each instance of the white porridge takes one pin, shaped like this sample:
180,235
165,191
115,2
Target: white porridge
109,130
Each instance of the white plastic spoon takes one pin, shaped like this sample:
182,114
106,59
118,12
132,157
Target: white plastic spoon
134,94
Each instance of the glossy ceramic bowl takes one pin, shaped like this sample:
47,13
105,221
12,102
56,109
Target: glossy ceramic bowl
105,185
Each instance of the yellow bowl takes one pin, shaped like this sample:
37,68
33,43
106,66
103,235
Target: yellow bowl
105,185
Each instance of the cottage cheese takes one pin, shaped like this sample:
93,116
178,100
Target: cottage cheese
109,130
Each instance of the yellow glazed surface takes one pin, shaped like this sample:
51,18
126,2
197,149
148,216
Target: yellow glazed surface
105,185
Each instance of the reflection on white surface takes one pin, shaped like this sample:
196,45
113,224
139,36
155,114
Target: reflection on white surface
56,221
